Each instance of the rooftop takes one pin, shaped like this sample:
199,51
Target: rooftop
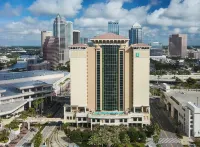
183,96
11,107
79,45
29,84
109,36
27,74
137,25
140,45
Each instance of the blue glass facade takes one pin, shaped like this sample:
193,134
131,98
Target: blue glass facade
156,49
135,36
110,76
113,27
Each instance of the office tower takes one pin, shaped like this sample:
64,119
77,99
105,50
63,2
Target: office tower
69,33
178,45
56,47
113,27
76,36
156,49
111,83
44,34
84,40
135,34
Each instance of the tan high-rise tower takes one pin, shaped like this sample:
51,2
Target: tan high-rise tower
110,77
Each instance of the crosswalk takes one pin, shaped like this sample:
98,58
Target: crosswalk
169,140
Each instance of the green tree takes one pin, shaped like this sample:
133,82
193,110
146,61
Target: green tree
191,81
85,135
142,136
155,138
38,140
124,138
4,136
133,134
149,130
37,102
75,136
157,129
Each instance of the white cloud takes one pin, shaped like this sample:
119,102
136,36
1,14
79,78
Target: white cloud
180,13
67,8
194,30
8,11
98,15
24,32
155,2
30,20
177,30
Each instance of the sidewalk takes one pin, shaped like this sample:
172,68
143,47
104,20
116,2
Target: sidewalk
23,132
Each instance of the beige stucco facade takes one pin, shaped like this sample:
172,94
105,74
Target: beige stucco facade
79,73
135,76
140,77
89,68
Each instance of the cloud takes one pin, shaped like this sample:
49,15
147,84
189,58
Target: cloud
67,8
177,30
155,2
194,30
98,15
30,20
180,13
8,11
24,32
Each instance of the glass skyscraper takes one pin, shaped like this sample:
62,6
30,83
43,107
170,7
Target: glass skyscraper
113,27
69,33
135,34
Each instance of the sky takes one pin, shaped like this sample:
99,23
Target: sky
21,21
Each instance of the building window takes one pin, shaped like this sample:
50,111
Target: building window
107,121
135,119
121,120
125,120
139,119
98,120
110,77
93,120
112,121
84,118
67,117
138,110
98,80
121,83
26,90
79,119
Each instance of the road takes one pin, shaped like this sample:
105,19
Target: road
168,136
25,141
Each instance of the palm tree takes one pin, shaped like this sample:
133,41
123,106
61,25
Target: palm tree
37,102
61,84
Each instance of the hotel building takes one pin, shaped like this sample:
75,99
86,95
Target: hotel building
109,83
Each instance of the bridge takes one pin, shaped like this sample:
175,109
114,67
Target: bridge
42,120
172,78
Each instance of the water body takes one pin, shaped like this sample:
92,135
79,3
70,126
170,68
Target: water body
19,65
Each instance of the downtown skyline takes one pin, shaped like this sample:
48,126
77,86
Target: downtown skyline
22,21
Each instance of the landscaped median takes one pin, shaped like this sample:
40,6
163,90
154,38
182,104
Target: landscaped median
4,137
14,127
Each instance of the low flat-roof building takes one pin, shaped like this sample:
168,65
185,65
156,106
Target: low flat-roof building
19,89
184,108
